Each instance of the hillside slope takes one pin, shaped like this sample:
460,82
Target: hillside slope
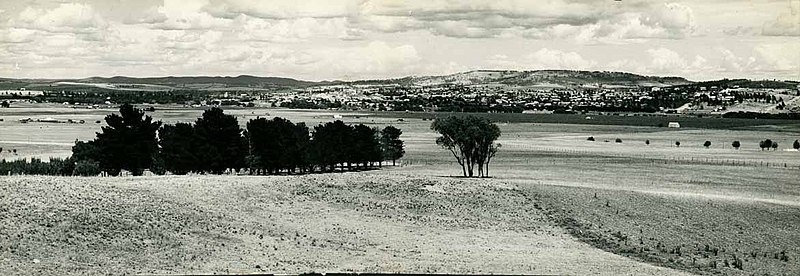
354,222
558,77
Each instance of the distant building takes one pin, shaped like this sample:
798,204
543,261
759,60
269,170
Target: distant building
674,125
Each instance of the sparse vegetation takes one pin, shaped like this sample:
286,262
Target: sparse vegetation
55,166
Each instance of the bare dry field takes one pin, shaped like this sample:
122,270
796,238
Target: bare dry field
557,204
364,222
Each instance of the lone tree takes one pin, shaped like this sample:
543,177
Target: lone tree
222,145
393,147
470,139
796,144
678,144
707,144
591,138
128,142
766,144
647,142
736,144
618,140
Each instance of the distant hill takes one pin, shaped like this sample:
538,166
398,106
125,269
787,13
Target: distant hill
554,77
745,83
243,81
511,78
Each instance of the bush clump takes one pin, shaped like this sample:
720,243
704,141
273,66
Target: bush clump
87,168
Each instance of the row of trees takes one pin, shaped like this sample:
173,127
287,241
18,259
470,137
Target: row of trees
216,144
764,145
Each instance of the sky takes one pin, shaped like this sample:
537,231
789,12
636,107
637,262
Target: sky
374,39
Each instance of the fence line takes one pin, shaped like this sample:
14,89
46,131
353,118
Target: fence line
677,160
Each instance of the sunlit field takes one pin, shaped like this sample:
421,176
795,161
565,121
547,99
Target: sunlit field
555,203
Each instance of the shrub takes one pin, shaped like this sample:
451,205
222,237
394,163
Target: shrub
86,168
157,166
618,140
766,144
56,166
647,142
591,138
796,145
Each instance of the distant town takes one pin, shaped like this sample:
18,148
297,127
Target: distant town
476,91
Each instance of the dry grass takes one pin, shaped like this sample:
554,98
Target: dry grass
369,222
656,204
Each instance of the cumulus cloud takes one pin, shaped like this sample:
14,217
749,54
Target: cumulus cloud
542,59
555,59
290,30
283,9
349,39
781,56
585,21
66,18
787,23
377,59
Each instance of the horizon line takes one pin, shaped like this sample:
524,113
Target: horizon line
385,78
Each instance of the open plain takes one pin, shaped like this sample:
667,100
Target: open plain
556,204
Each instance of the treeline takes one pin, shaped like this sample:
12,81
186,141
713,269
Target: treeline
216,144
55,166
100,96
758,115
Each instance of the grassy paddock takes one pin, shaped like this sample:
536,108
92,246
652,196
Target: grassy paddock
651,120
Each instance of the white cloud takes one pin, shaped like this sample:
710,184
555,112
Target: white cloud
67,17
284,9
543,59
781,57
387,38
787,23
375,60
16,35
665,60
290,30
555,59
584,22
